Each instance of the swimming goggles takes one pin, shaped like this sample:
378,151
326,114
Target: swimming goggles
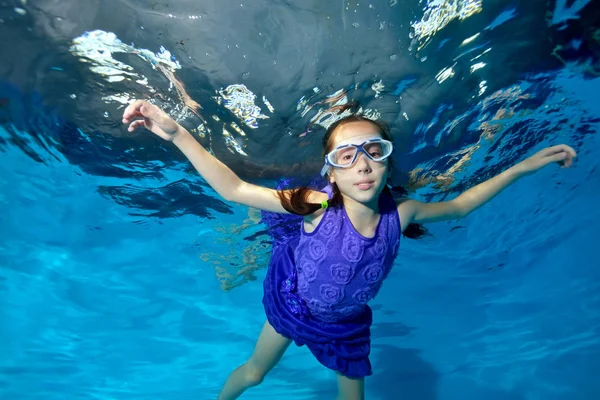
376,149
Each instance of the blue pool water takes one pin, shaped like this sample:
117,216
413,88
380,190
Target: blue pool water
124,276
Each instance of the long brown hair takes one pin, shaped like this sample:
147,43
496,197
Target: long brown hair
296,200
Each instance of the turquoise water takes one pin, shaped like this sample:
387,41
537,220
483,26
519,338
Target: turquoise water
99,304
115,259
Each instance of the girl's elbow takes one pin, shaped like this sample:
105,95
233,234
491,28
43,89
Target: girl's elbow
461,210
236,192
231,196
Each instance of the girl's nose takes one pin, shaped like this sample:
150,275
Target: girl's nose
363,164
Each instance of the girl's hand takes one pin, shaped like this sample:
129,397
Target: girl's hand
561,154
152,118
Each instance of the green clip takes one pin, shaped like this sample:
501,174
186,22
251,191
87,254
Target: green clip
324,204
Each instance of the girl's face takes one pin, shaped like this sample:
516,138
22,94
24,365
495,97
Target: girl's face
365,179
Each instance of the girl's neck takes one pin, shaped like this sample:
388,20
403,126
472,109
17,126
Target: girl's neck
363,217
362,211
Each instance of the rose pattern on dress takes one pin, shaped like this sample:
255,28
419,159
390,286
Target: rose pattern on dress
330,294
308,269
338,271
380,247
317,249
342,273
364,295
373,273
351,248
329,228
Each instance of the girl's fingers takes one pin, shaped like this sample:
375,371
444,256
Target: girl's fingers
560,149
133,111
568,149
131,118
135,124
569,162
127,118
558,157
573,152
550,151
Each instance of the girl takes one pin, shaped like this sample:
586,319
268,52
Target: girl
319,282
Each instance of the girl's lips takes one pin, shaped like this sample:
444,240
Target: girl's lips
365,185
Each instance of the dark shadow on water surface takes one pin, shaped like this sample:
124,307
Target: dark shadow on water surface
397,372
401,373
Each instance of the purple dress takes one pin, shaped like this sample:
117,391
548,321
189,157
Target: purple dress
318,285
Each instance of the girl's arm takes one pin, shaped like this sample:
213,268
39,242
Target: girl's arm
472,199
220,177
